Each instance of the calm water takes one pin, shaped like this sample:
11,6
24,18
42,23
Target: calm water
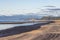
6,26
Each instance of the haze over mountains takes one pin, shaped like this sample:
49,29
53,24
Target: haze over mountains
19,17
51,13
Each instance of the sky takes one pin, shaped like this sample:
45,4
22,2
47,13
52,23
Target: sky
12,7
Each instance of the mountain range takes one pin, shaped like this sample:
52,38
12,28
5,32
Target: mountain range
19,17
26,17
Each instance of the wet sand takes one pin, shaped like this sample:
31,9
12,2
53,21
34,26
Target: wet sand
33,32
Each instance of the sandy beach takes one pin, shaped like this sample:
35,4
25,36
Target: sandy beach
45,31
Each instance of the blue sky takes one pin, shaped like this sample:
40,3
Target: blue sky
10,7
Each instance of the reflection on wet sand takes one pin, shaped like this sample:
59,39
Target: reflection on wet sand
20,29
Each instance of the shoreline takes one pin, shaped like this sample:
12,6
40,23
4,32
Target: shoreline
21,29
26,22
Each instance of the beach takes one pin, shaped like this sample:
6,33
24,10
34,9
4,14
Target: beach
44,31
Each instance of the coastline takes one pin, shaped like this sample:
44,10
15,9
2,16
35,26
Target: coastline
20,29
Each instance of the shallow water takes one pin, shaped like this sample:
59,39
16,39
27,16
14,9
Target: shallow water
6,26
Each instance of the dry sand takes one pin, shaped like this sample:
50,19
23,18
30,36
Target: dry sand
46,32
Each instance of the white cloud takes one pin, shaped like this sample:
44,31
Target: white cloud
9,12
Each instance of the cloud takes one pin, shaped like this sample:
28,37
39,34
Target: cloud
9,12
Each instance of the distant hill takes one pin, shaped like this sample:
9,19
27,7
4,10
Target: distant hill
19,17
50,18
15,18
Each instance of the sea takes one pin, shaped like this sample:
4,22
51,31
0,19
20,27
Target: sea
7,26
